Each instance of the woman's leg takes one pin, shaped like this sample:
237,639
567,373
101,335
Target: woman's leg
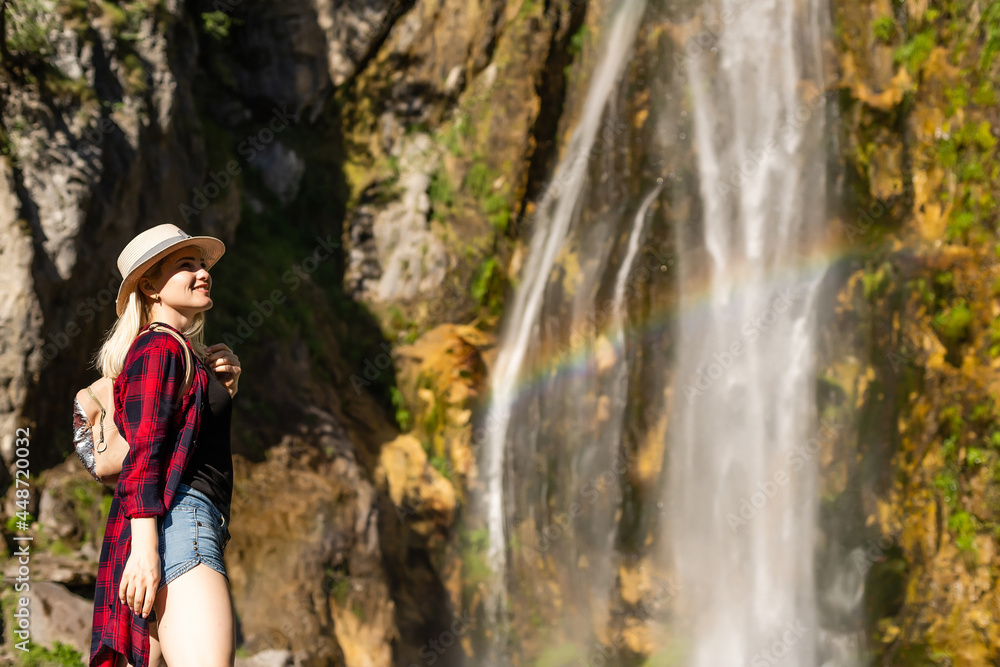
195,620
155,656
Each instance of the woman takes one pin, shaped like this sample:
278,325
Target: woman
162,589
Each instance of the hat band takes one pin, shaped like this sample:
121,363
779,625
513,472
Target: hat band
159,247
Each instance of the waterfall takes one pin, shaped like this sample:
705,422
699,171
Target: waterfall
742,491
549,227
740,481
618,388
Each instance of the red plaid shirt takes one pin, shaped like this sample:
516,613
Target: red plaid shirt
161,440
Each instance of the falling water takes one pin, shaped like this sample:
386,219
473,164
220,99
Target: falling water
550,227
742,487
741,474
620,375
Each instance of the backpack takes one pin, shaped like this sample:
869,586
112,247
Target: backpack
92,422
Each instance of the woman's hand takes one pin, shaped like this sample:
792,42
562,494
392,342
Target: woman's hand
141,576
226,365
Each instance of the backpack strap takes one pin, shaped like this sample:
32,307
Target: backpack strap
102,445
188,363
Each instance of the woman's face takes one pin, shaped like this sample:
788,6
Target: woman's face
184,284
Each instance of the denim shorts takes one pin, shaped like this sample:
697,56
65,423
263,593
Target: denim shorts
192,531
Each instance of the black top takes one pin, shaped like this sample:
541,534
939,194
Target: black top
210,469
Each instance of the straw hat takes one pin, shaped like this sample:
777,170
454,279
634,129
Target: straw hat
152,245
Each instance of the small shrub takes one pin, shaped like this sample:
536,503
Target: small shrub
28,25
954,323
216,24
61,654
883,27
440,190
914,53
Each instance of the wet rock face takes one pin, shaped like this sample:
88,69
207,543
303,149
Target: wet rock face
914,354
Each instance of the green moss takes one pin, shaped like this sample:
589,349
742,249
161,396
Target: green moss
115,15
577,40
403,416
478,180
28,27
62,655
947,483
964,526
973,456
488,286
875,283
451,136
983,135
914,53
972,171
340,590
991,23
476,571
528,8
433,422
497,210
62,87
399,323
995,337
982,413
883,28
58,548
135,74
947,153
564,655
954,323
951,419
958,97
675,655
216,25
949,448
921,655
925,293
440,191
985,95
74,9
440,464
959,225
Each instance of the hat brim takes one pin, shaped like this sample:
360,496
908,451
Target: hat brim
211,247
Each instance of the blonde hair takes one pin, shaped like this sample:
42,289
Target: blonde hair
110,358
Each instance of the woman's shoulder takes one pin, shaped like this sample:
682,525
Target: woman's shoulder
153,343
157,339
